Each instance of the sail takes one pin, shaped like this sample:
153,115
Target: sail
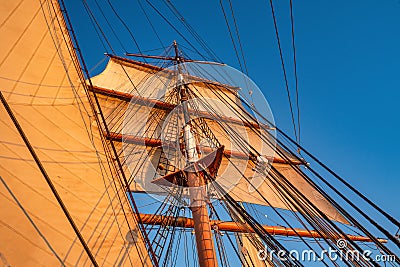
122,96
40,81
250,245
249,253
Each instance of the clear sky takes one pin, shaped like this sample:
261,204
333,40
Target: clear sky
348,68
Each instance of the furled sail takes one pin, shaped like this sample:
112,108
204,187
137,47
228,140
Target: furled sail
119,90
40,81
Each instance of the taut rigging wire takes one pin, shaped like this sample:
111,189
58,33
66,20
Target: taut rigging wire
283,68
110,26
95,23
238,37
95,28
192,31
173,27
231,35
126,26
257,227
151,25
295,70
241,257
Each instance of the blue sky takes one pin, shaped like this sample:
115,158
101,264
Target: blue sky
348,68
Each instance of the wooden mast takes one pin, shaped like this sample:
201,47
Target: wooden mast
202,227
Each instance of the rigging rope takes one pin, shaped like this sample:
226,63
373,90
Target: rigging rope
172,26
231,35
238,37
257,227
295,70
125,25
95,22
110,26
283,68
192,31
151,25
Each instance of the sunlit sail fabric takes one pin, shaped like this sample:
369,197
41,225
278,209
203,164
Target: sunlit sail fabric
39,79
249,253
122,80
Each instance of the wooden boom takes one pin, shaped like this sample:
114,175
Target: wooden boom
184,222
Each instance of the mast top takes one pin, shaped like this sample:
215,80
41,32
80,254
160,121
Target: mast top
175,58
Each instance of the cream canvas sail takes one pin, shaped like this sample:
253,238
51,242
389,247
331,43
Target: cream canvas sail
41,81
